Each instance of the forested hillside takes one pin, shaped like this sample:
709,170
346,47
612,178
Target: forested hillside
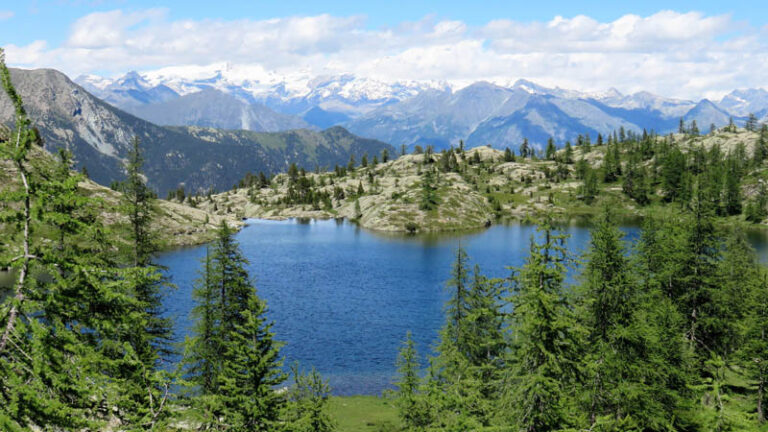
84,342
99,137
463,189
666,333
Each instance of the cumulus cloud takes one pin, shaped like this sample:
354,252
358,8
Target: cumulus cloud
670,53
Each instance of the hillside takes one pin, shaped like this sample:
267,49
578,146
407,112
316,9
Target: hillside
99,134
461,190
174,224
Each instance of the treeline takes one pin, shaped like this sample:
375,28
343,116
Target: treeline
667,333
84,343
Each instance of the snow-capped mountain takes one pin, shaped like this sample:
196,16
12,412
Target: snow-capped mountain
409,112
742,102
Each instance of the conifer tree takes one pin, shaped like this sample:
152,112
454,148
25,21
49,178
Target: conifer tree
251,370
525,149
551,150
231,360
546,338
754,352
508,156
486,334
307,403
457,307
63,356
151,339
751,124
627,381
408,398
568,153
464,403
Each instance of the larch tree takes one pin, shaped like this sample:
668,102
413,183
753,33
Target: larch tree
546,338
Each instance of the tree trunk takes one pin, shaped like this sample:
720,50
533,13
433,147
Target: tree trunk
19,294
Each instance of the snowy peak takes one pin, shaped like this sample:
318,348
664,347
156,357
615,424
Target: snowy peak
742,102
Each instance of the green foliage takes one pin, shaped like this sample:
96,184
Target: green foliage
429,199
551,150
71,353
408,397
546,345
307,409
589,188
231,362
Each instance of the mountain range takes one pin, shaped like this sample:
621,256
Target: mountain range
410,112
99,136
204,133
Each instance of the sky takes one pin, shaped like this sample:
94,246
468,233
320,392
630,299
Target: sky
672,48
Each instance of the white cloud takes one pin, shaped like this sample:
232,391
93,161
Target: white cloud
669,53
5,15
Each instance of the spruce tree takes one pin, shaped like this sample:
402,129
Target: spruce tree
251,370
232,361
408,398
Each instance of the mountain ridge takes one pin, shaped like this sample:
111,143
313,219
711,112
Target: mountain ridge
99,136
441,114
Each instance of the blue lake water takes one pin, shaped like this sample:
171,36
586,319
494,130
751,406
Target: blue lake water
343,298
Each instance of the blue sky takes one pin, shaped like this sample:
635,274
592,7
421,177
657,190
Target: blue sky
50,19
685,49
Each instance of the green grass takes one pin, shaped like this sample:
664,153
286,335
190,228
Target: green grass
364,414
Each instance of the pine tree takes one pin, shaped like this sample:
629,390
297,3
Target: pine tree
457,307
627,383
751,124
153,333
589,188
408,397
202,350
568,158
525,149
508,156
63,354
307,403
546,341
696,276
462,405
429,199
694,128
487,341
251,370
232,361
754,352
732,189
551,150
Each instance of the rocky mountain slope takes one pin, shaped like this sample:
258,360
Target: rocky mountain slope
213,108
98,134
468,190
441,114
174,224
